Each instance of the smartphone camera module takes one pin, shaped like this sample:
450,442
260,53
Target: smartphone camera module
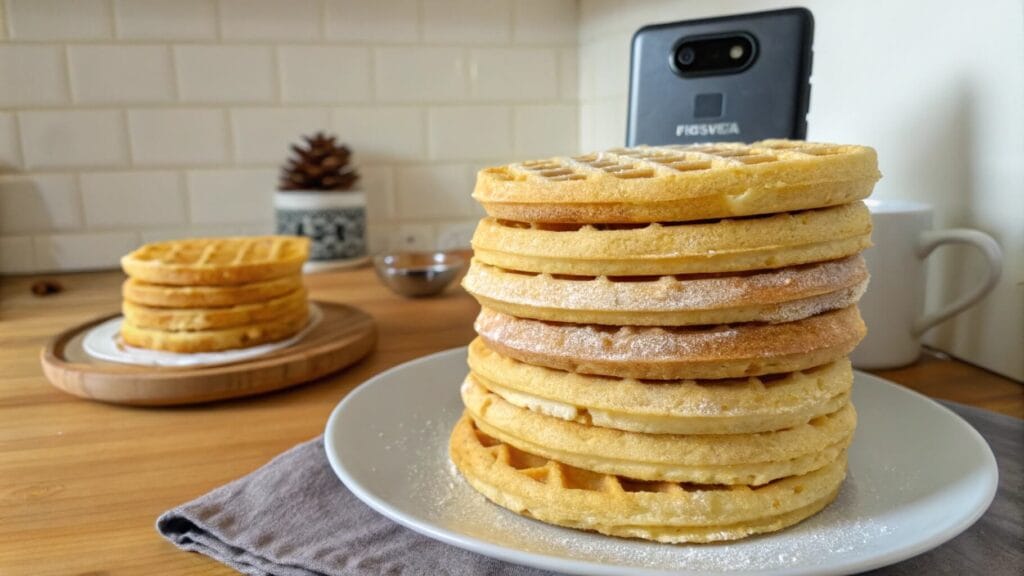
719,54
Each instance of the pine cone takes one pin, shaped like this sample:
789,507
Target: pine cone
321,164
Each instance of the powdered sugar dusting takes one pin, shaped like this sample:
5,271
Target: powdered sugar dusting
790,293
849,525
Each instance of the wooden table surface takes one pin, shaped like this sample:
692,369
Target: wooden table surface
82,483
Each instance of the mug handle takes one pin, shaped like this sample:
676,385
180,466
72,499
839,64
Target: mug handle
932,239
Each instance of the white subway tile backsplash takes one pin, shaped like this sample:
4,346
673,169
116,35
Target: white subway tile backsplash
568,74
504,74
166,19
129,120
379,184
381,134
325,74
434,191
38,203
470,132
467,21
32,75
546,130
178,136
421,74
10,152
121,73
455,235
606,67
231,196
376,21
85,138
270,19
412,238
264,135
130,199
545,21
17,255
225,73
206,231
87,251
59,19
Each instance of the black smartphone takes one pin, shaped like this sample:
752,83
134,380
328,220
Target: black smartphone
737,78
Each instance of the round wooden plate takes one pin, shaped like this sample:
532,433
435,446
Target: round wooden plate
344,336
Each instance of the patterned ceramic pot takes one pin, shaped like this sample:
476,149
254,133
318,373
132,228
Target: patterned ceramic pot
334,222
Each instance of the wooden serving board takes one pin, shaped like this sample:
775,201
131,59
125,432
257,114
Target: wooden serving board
344,336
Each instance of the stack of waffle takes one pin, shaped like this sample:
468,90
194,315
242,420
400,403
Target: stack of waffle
213,294
663,337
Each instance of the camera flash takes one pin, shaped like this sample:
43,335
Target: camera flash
736,52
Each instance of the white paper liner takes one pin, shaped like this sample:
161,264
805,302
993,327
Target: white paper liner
104,343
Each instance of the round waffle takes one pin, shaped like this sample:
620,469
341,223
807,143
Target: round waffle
145,294
675,353
215,340
191,319
781,295
679,183
741,406
749,459
669,512
754,243
217,261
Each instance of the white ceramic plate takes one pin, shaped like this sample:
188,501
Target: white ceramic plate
919,475
103,342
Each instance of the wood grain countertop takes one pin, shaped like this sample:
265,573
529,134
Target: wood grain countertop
82,483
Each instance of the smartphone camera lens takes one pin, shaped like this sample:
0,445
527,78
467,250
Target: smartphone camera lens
711,55
686,56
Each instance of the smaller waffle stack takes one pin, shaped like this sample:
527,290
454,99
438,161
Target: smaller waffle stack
214,294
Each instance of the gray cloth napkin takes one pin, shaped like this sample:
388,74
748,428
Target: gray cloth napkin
268,523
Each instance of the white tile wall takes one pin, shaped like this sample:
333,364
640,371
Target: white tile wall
73,138
174,137
38,203
225,73
505,74
270,19
33,75
420,74
262,135
166,19
98,72
325,74
123,121
483,21
231,196
391,134
10,155
378,21
474,132
59,19
130,199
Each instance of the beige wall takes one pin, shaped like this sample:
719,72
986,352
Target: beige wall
936,87
135,120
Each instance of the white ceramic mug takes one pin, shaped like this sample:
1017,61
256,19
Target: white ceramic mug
893,307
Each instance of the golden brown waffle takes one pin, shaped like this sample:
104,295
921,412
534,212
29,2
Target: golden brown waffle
755,243
781,295
679,183
749,459
191,319
737,406
675,353
217,261
663,511
145,294
215,340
